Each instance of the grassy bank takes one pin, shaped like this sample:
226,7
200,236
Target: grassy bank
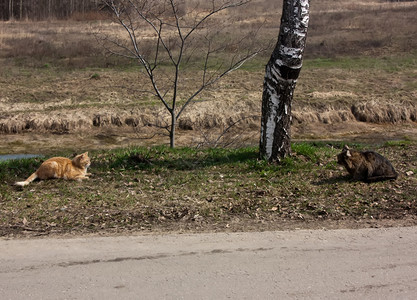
188,189
56,79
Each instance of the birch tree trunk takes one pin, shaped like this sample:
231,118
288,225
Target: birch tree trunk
21,10
49,9
11,10
281,76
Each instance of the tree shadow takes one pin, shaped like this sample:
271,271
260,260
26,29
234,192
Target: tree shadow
334,180
185,161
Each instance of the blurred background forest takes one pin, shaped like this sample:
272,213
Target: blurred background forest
46,9
37,10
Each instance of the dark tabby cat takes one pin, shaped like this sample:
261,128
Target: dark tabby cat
367,166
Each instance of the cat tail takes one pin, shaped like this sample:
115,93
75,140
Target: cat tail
381,178
27,181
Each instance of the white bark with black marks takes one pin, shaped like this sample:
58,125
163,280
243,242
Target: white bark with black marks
281,76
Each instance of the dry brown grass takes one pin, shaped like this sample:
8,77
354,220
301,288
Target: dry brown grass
385,113
361,28
336,28
56,79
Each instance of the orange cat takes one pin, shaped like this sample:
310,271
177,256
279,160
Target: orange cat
61,167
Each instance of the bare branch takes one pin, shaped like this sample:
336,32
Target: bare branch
157,29
222,139
233,67
213,12
177,22
230,127
158,42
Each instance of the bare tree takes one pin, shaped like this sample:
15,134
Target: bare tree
165,36
281,76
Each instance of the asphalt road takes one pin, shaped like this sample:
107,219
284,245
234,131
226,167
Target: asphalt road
340,264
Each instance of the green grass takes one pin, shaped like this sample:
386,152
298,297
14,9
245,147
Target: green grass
399,143
387,63
158,188
13,168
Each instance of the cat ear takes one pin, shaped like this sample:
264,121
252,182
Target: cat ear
348,154
85,154
345,148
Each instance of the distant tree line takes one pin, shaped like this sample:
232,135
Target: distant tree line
45,9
